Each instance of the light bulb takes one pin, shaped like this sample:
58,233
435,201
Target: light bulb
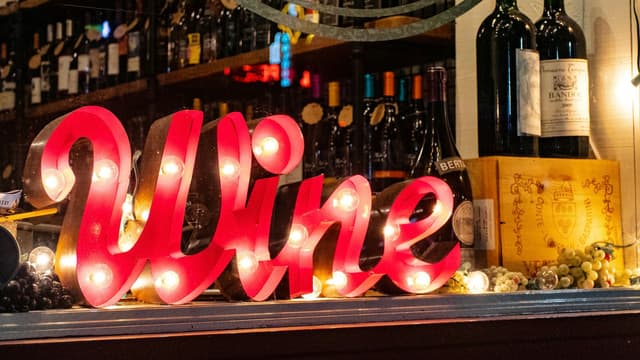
346,200
419,282
298,235
127,207
338,279
317,289
477,282
247,262
269,146
42,259
101,275
391,231
229,169
145,215
54,183
172,166
169,280
437,208
104,170
130,235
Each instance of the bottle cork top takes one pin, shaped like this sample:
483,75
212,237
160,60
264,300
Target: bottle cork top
197,104
389,87
334,94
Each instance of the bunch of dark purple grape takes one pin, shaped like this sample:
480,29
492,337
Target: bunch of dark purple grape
30,290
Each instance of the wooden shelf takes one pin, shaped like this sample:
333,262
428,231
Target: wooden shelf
249,58
96,97
26,4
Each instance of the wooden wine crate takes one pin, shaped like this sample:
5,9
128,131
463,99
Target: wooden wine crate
529,209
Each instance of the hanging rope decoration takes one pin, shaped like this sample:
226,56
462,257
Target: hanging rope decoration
351,34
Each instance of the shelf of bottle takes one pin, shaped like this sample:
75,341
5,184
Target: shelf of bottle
249,58
96,97
26,4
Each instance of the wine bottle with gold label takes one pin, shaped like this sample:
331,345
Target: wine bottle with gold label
386,144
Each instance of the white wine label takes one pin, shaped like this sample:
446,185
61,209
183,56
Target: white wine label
565,97
34,62
36,90
113,66
120,31
528,89
484,220
450,164
377,115
345,118
4,72
462,222
312,113
7,100
64,62
73,81
133,64
230,4
44,75
83,63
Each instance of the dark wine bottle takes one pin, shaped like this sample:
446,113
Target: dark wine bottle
564,80
34,71
121,36
194,37
311,114
83,52
76,42
45,64
387,148
55,52
329,140
413,120
209,33
113,47
65,57
229,28
369,104
136,44
164,24
439,157
178,38
508,83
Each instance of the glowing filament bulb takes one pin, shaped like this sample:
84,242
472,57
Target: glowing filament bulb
145,215
247,262
267,147
229,169
298,235
419,282
391,231
169,280
127,207
338,279
101,275
317,289
54,183
437,208
172,166
477,282
346,200
104,170
42,259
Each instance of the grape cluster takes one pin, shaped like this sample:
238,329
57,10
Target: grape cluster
30,290
503,280
584,269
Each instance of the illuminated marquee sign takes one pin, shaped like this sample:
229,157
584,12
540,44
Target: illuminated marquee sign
100,263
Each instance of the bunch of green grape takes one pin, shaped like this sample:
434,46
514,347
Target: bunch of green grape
584,269
457,284
503,280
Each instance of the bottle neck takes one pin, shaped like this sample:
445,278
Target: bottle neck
506,4
389,86
316,88
554,6
36,41
334,94
59,31
436,89
369,86
69,28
